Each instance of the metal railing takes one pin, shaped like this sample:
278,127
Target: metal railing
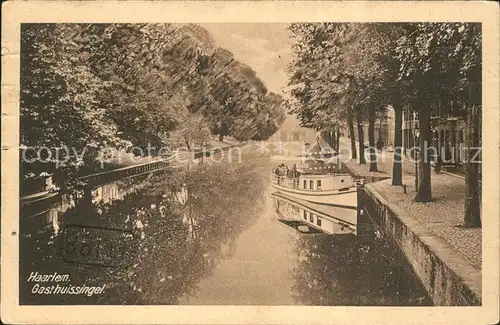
124,172
149,167
284,181
102,178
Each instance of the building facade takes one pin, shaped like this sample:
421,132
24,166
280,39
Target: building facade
295,134
449,135
384,130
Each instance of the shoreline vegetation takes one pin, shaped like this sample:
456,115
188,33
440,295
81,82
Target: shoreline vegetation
98,86
346,74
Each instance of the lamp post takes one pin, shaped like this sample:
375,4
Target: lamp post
416,133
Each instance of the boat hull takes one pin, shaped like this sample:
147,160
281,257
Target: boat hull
340,198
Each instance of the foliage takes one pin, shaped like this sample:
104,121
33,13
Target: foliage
345,66
93,86
340,69
191,130
442,60
349,71
178,243
60,106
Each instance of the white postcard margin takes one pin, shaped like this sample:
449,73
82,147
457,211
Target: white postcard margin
17,12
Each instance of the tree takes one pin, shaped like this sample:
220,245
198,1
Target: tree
315,75
338,73
234,100
132,57
93,86
191,130
361,138
61,114
371,138
353,72
395,90
419,65
397,167
350,124
163,62
468,52
389,87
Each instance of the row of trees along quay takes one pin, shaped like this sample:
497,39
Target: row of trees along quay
97,86
347,73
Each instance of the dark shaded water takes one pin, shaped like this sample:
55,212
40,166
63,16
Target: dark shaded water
353,270
221,246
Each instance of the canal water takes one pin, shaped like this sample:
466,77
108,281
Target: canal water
209,236
257,270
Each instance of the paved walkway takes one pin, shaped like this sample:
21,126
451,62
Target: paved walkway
440,216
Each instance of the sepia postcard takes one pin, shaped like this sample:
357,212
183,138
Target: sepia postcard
250,162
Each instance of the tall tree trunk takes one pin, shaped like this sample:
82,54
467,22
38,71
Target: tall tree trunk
333,140
221,138
397,167
327,136
361,145
337,144
371,139
472,217
86,200
424,166
350,122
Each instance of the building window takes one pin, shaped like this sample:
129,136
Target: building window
305,215
311,185
318,221
305,185
318,185
311,217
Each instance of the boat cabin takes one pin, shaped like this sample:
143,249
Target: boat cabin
315,182
312,175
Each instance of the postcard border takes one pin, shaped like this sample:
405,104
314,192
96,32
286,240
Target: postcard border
17,12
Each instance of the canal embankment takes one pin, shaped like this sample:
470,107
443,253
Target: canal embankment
101,186
446,258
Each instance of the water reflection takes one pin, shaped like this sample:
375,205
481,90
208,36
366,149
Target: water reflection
312,217
353,270
209,237
342,259
185,223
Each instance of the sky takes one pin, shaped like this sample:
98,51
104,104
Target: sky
266,47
